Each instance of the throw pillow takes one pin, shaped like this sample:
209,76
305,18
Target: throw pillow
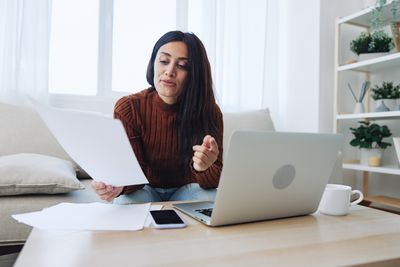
36,174
255,120
24,131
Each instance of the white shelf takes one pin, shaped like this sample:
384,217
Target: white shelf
362,18
385,169
369,67
375,64
389,115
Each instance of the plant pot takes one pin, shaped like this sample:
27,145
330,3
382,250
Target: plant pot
371,156
366,56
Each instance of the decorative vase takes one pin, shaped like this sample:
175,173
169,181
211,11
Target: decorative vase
371,156
359,108
390,103
380,106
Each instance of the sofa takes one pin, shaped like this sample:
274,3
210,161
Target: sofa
24,133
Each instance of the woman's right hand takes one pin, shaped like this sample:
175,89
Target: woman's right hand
106,192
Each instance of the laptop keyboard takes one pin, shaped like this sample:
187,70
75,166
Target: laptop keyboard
206,212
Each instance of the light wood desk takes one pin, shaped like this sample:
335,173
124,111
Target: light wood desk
366,237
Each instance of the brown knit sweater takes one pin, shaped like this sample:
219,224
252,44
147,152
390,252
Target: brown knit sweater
150,125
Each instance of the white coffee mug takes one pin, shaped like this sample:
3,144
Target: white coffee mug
336,199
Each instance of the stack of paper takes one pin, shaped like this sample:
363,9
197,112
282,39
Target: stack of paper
90,216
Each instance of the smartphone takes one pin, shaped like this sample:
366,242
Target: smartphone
166,219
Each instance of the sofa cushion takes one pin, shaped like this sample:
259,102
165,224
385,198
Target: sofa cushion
36,174
23,131
257,120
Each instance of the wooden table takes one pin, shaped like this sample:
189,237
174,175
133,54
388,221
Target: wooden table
365,237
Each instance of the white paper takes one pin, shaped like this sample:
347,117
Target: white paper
97,143
90,216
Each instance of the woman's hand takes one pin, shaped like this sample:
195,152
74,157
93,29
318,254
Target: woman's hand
205,154
106,192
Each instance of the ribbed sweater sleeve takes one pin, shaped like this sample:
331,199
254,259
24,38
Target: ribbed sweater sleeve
210,177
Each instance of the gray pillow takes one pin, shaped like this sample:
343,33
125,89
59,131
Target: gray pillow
36,174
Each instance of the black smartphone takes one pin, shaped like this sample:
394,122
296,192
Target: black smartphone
166,219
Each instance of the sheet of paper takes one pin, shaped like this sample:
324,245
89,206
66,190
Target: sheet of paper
97,143
90,216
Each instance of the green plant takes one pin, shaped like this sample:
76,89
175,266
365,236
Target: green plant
386,91
377,15
369,135
372,43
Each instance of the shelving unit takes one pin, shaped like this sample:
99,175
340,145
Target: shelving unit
373,65
387,169
342,115
390,115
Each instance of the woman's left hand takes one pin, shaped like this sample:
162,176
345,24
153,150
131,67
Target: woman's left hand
205,154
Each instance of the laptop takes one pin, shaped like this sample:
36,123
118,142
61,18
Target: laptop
269,175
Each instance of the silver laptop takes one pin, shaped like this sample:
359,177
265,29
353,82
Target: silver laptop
269,175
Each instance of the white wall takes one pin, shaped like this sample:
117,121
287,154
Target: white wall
306,63
329,10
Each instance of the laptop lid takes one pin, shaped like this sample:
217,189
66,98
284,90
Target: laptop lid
269,175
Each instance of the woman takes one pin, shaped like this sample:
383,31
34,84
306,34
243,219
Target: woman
175,127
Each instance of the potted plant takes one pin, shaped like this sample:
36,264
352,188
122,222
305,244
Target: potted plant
386,96
369,138
371,44
377,19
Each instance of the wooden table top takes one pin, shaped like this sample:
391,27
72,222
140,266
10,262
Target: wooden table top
365,237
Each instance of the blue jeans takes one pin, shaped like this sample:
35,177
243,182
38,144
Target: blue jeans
149,194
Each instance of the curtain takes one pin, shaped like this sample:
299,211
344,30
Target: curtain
241,40
24,45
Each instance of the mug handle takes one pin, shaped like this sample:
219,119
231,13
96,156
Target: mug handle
359,199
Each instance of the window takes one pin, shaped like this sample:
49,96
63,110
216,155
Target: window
100,47
74,47
135,30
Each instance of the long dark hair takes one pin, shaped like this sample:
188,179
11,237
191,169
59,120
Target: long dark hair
197,108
